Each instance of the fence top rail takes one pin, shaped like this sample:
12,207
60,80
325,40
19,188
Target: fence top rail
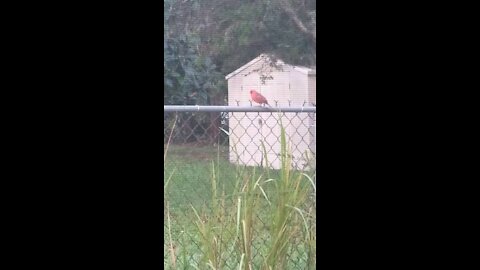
194,108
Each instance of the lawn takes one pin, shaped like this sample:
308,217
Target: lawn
189,171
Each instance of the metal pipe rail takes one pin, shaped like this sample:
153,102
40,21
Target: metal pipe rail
195,108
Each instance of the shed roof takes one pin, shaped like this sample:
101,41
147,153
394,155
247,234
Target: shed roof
262,57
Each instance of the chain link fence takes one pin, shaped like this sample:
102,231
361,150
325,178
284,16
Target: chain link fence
210,153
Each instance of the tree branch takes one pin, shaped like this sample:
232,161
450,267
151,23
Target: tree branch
287,7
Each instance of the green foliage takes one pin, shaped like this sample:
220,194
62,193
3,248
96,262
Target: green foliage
205,40
240,217
189,78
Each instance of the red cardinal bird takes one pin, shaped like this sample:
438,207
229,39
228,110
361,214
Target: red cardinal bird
258,98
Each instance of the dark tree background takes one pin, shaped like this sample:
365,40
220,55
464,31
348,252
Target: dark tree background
207,39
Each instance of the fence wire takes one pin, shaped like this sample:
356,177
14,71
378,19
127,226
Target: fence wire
210,151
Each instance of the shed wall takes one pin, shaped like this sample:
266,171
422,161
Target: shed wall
249,130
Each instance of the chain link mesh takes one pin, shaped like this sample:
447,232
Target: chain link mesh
201,146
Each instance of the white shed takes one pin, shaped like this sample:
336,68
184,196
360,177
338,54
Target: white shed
284,86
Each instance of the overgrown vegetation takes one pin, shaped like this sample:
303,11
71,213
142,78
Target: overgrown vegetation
218,215
207,39
236,217
204,40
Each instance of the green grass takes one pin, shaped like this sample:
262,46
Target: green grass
222,216
191,171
